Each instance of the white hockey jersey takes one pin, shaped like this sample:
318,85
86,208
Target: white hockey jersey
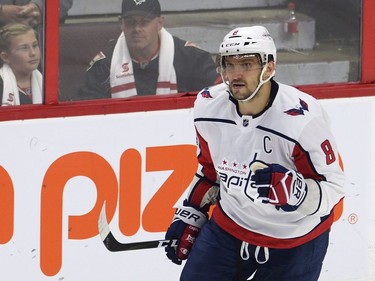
293,131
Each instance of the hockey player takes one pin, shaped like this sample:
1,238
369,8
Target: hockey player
268,160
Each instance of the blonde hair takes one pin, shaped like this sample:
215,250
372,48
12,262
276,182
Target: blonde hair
11,30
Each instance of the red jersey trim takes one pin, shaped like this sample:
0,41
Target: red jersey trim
257,239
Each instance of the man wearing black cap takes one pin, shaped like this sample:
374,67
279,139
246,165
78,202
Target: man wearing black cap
146,59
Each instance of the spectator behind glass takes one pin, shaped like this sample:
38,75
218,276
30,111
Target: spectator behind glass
20,81
146,59
28,12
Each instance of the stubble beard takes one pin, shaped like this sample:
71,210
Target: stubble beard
241,94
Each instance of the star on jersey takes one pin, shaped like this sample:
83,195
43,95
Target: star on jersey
299,109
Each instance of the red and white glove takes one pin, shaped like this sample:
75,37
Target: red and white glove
185,227
278,185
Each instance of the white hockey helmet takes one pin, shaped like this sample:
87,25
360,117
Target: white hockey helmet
254,40
249,40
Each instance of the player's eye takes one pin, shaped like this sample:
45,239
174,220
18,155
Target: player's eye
246,66
229,67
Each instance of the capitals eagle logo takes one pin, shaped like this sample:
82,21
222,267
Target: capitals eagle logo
299,109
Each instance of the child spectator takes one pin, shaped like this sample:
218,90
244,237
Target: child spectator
20,81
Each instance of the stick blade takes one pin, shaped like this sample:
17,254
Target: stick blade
103,224
113,245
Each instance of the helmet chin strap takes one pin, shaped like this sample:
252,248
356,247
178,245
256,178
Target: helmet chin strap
261,82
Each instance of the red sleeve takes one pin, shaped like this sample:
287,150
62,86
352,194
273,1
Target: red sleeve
205,178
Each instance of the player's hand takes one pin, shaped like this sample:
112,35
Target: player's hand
185,227
278,185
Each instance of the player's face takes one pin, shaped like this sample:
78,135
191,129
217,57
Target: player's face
23,55
141,32
242,74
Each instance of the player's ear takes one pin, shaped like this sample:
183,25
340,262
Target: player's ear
270,67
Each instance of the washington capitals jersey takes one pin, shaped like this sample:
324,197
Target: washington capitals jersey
292,131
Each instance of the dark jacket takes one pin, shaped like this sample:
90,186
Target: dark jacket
195,69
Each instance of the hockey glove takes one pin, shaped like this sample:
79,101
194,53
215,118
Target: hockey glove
185,227
278,185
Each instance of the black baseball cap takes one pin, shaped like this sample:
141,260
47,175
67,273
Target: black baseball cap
145,8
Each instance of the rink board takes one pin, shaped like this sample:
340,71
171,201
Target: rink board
56,173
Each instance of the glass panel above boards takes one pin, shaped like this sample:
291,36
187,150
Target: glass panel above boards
317,41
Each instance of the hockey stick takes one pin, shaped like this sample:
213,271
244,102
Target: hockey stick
113,245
